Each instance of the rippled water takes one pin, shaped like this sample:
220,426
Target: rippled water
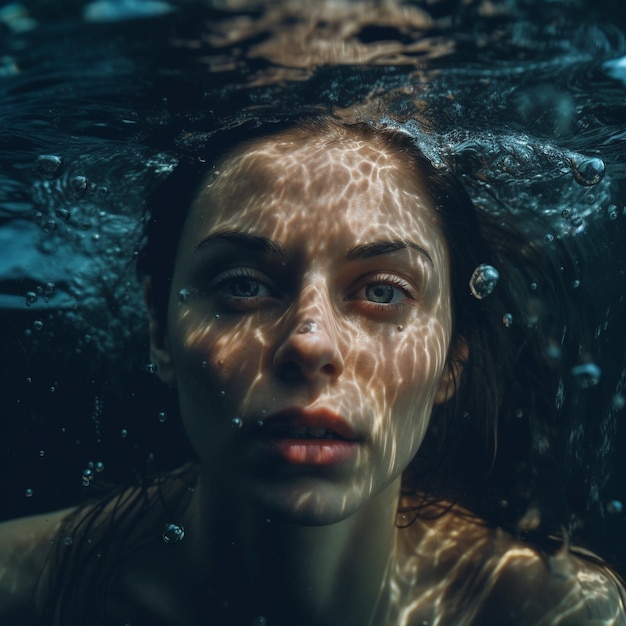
525,100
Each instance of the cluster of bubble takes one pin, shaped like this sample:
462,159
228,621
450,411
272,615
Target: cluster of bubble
41,291
90,471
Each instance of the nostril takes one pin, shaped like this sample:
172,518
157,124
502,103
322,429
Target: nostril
329,369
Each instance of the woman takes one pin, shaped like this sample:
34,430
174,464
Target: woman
313,313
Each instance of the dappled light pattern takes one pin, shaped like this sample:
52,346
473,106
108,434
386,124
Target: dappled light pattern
322,229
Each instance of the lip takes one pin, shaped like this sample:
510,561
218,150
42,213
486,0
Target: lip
313,451
309,418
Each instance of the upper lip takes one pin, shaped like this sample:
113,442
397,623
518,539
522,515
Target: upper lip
310,418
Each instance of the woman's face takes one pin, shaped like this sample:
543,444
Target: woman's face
308,325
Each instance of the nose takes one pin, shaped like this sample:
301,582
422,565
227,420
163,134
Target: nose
310,349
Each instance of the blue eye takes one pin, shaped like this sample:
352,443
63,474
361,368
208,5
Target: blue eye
381,293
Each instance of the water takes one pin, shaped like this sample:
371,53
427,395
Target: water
525,100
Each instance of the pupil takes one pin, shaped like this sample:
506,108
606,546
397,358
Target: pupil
245,288
379,293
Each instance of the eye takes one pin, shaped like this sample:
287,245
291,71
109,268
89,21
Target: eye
384,292
381,293
241,284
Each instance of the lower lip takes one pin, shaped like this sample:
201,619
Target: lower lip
312,452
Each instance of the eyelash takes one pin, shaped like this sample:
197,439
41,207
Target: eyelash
230,276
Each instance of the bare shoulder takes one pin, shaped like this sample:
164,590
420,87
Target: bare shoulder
25,544
490,577
528,586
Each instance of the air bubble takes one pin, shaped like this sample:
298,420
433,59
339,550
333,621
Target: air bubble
507,320
612,211
549,238
236,423
31,298
483,281
588,171
123,433
87,477
79,185
49,166
173,533
49,289
259,621
162,417
587,374
28,493
222,393
618,402
614,507
42,453
63,214
184,295
68,541
37,324
575,284
151,368
217,316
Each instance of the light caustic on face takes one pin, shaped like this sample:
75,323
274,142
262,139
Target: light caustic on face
319,320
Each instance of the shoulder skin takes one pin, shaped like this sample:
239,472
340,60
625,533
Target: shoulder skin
25,544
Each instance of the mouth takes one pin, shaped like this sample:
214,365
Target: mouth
308,437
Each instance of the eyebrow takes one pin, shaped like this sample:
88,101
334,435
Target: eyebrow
265,245
255,243
377,248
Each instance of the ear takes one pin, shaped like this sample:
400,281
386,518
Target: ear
451,375
159,344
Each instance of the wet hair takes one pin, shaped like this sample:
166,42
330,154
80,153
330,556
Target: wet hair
484,449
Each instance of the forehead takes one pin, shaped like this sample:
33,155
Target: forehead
282,184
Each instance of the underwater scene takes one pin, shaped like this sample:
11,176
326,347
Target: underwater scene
524,101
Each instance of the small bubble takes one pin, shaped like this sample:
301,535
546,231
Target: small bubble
28,493
507,319
566,213
79,185
162,417
31,298
259,621
614,507
49,166
549,238
533,286
260,423
151,368
63,214
52,389
99,466
217,316
37,324
204,364
42,453
612,211
619,402
588,171
29,380
519,413
236,423
400,328
184,295
123,433
49,289
575,284
173,533
222,393
586,374
68,541
483,281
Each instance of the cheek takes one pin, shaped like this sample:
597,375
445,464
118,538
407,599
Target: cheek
215,363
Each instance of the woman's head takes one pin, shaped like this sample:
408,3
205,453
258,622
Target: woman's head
319,273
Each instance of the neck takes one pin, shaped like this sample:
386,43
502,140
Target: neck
332,574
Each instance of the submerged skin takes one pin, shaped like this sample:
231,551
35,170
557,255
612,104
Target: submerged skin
312,275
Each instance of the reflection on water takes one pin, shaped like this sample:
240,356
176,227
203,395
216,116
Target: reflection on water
525,101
